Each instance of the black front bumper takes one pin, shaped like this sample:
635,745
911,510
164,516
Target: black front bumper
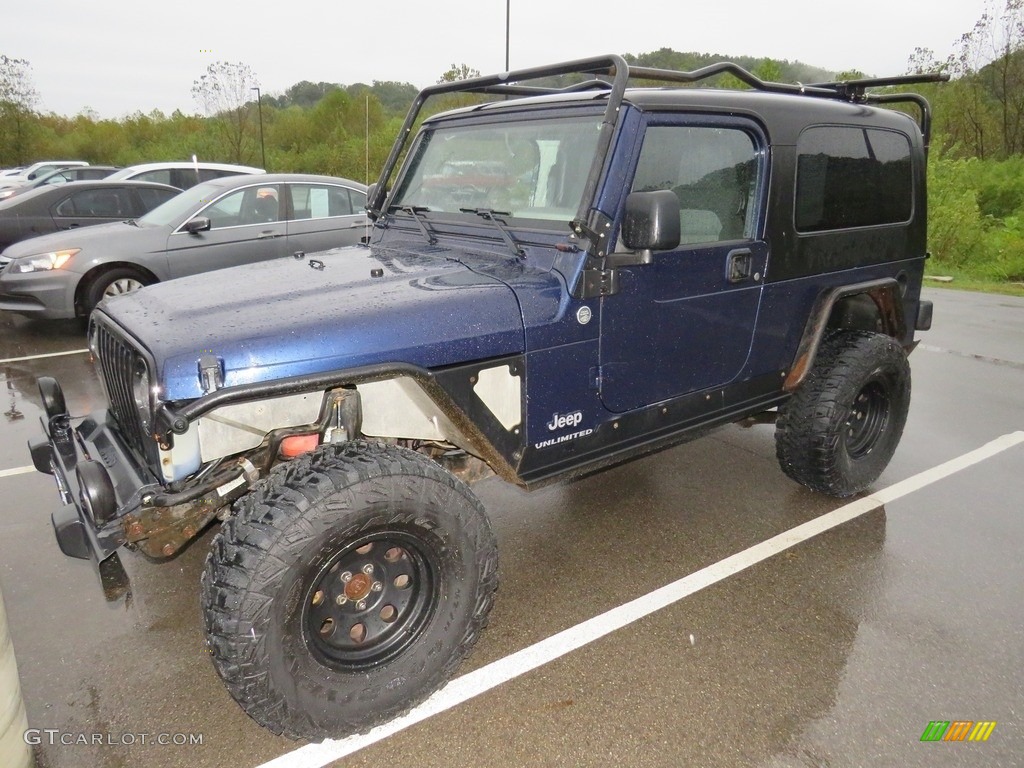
59,452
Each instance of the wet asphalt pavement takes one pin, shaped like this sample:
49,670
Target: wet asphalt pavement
836,652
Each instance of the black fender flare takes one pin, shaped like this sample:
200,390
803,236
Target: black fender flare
887,296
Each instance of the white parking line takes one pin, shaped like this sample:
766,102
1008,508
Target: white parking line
40,357
494,674
16,471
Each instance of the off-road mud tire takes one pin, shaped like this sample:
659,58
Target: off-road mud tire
841,427
279,545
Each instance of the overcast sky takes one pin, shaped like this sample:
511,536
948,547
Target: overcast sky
117,57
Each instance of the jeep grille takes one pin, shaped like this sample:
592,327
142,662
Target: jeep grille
117,361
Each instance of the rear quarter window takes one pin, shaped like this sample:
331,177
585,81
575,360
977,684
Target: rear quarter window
851,176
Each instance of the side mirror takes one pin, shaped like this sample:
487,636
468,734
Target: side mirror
652,221
196,225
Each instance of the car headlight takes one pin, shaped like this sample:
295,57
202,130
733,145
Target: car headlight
42,262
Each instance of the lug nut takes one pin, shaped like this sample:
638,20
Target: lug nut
341,599
168,550
361,605
377,586
368,568
346,576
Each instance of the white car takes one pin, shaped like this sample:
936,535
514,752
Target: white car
183,174
36,170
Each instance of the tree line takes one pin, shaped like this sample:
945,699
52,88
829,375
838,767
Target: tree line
324,127
976,202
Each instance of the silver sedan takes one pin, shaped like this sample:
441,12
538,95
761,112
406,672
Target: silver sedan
217,224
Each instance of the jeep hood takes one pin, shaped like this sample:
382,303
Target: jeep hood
329,311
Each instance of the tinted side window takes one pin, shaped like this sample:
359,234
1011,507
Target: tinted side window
86,174
852,177
102,203
151,198
183,178
160,177
206,174
713,172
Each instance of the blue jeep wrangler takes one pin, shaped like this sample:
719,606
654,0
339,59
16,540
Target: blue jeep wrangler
560,277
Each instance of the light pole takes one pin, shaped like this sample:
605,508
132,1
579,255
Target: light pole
259,106
508,16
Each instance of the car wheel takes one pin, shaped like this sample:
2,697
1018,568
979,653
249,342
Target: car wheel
346,587
112,282
840,429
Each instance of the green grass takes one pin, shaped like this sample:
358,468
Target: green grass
964,281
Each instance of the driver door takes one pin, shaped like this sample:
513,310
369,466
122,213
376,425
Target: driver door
685,322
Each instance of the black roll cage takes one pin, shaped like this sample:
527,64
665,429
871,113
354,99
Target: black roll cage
586,222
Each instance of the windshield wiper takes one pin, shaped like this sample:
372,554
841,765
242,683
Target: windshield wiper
414,211
488,215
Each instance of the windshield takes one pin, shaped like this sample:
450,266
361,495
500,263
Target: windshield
533,169
178,206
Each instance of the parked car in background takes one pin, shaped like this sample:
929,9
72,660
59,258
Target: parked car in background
77,204
62,176
220,223
182,174
34,171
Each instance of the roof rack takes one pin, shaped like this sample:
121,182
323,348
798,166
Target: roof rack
614,67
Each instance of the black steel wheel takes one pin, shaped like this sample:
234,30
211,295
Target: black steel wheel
347,586
371,600
868,418
840,429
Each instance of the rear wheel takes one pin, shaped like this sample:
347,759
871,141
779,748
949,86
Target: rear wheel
347,587
112,282
840,429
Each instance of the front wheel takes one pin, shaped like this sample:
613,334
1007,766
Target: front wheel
346,588
840,429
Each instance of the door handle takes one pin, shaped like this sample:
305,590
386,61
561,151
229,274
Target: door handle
739,265
72,226
267,235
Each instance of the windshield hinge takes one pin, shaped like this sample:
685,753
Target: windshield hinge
595,282
594,234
